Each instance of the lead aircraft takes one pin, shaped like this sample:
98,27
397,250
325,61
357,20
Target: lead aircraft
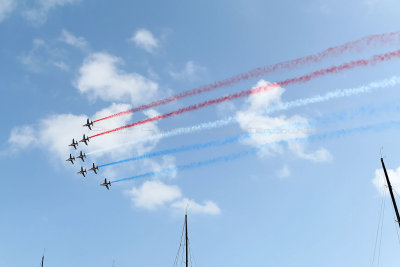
88,124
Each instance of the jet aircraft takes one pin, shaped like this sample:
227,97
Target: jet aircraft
82,171
106,184
94,168
81,156
74,143
71,158
88,124
85,139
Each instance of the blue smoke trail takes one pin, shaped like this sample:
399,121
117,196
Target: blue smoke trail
234,139
227,158
294,128
390,82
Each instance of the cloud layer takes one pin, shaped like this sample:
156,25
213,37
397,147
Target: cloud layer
144,39
38,14
101,77
268,129
380,183
6,7
152,195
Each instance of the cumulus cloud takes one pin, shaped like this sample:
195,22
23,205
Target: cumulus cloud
268,129
208,207
101,77
55,132
6,7
380,183
152,195
38,14
320,155
144,39
22,137
73,40
190,72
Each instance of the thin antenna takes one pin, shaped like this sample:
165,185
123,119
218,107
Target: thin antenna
381,152
186,240
43,257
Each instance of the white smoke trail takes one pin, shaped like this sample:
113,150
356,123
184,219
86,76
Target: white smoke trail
340,93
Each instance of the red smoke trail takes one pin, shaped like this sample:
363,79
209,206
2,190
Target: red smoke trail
291,64
305,78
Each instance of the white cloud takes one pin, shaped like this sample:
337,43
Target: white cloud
267,129
153,194
320,155
379,180
166,163
208,207
190,72
284,172
54,133
61,65
31,59
6,7
144,39
38,15
22,137
72,40
101,78
43,55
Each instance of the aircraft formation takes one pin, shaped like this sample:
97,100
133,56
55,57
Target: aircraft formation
82,155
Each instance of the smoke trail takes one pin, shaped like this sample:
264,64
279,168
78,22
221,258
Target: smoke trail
255,73
305,78
227,158
340,93
294,128
234,139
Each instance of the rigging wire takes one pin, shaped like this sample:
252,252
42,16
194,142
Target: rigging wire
379,227
192,255
380,239
179,249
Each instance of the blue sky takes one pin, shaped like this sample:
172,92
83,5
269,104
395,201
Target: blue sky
314,202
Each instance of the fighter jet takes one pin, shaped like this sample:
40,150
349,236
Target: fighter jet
82,171
94,168
74,143
81,156
85,139
106,184
88,124
71,158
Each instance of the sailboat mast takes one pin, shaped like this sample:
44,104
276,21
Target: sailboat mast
186,240
391,192
42,260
